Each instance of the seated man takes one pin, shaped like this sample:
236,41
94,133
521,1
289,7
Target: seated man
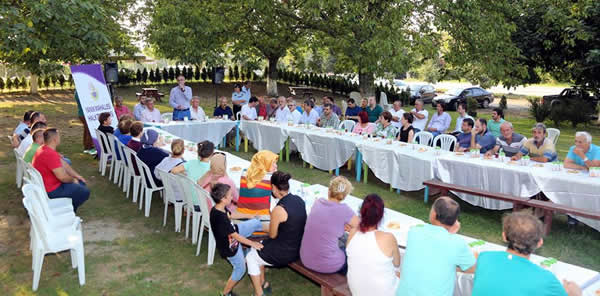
464,138
423,249
539,148
249,110
584,154
373,110
295,115
511,272
310,115
462,115
27,141
509,141
60,179
334,107
139,107
397,113
328,118
223,110
440,121
196,112
135,131
38,141
481,138
282,112
352,110
151,114
22,129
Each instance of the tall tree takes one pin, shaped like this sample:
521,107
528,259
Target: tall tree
373,38
39,35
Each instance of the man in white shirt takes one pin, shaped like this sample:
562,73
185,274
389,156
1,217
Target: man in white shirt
462,115
249,111
397,113
440,121
420,116
196,112
282,113
295,115
310,115
150,114
139,107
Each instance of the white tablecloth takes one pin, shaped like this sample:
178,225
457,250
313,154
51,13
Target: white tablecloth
264,135
464,283
574,190
402,165
322,148
489,175
197,131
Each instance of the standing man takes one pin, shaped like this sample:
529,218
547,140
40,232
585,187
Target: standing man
462,115
180,98
246,90
494,123
397,113
440,121
421,115
88,144
238,98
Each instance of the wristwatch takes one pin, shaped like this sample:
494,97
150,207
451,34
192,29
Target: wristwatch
585,159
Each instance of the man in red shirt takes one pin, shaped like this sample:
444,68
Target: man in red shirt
60,179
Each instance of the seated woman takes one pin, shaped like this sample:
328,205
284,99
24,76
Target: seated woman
255,184
406,131
218,174
324,230
151,155
385,129
196,168
373,255
168,164
285,234
124,127
363,127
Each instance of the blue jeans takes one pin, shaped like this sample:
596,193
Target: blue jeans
180,114
78,193
238,261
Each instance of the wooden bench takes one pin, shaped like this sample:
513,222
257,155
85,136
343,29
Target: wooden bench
518,203
332,284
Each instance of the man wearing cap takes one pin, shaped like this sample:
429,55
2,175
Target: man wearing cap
180,98
539,148
238,98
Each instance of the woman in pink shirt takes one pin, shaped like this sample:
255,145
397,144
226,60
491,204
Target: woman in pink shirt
121,109
363,127
218,174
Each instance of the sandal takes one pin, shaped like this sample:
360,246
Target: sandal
266,288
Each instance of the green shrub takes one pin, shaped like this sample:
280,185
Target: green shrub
538,110
2,85
472,107
576,111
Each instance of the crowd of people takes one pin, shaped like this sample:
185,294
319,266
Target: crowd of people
332,238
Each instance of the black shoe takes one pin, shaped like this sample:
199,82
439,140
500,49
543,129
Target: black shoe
267,289
229,294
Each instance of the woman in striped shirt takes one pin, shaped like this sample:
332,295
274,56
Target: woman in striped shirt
255,184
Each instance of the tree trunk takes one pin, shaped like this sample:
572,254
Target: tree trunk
272,77
33,84
365,84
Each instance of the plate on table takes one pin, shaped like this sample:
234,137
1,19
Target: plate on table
459,153
538,165
403,145
572,171
512,162
235,169
422,149
394,225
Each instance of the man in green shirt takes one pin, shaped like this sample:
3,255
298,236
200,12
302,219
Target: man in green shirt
328,118
373,110
510,272
38,140
493,124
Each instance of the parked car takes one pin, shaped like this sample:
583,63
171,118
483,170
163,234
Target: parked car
400,85
453,97
571,94
424,92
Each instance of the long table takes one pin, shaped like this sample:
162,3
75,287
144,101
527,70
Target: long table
213,130
310,193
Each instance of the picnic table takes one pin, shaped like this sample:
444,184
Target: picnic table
150,92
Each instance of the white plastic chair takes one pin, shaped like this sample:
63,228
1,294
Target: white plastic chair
446,141
125,177
424,138
553,134
116,163
166,116
347,125
203,197
105,154
192,206
56,206
47,238
131,175
169,196
20,168
148,185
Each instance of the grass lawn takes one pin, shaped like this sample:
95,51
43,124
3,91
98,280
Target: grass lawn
128,254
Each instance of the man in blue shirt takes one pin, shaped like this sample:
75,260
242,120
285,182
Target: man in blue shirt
352,110
481,138
464,138
180,98
434,253
310,115
238,98
510,272
223,109
584,154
